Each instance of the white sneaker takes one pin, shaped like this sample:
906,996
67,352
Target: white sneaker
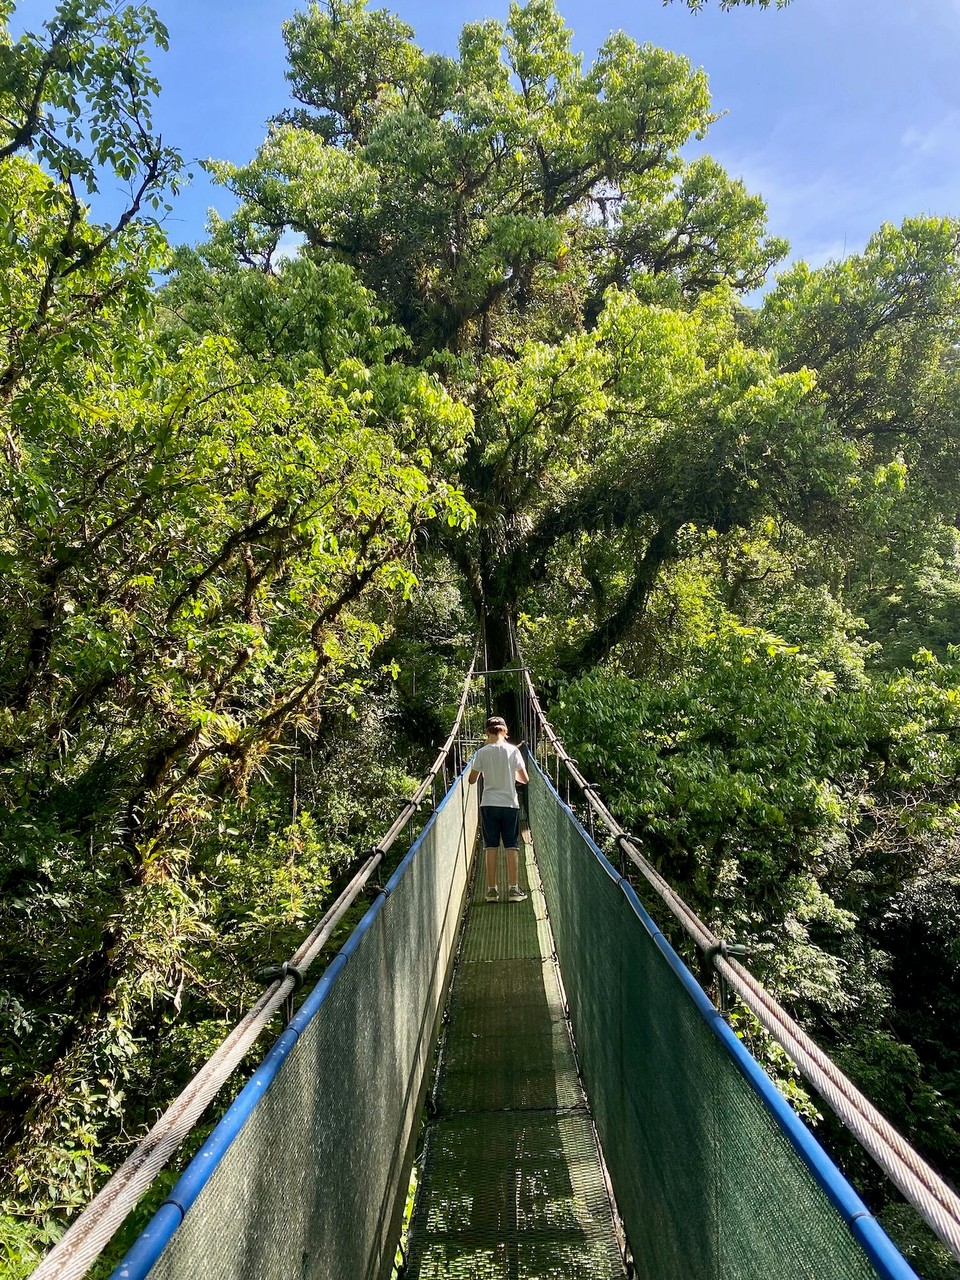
516,894
493,895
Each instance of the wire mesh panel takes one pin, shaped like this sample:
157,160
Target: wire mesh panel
714,1177
312,1186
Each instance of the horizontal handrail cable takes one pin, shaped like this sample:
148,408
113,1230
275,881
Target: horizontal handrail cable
90,1233
917,1181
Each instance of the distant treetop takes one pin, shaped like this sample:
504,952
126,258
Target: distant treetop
730,4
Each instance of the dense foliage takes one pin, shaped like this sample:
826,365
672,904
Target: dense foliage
202,547
256,501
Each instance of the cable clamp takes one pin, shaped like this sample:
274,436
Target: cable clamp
278,972
737,950
708,965
708,960
375,886
621,840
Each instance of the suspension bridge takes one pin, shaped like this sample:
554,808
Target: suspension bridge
511,1091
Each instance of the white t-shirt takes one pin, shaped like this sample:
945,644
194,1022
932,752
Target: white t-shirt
498,762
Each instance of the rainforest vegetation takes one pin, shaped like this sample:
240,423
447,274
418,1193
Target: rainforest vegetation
471,352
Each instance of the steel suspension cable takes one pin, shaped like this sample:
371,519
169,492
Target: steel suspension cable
918,1182
87,1237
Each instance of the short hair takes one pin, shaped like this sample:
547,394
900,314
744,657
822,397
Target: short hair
496,724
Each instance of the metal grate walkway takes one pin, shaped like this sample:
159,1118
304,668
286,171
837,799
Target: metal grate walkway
511,1185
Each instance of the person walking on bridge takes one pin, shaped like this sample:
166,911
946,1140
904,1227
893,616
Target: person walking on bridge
500,764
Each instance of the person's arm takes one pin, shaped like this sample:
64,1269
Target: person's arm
520,771
472,776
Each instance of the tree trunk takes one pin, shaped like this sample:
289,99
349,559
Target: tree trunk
503,690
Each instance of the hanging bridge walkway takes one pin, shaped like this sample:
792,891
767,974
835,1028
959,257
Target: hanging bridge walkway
512,1181
588,1112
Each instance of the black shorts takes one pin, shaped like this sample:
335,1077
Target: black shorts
499,821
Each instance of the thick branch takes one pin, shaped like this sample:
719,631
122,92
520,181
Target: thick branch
598,645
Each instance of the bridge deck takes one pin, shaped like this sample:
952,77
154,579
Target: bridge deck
511,1186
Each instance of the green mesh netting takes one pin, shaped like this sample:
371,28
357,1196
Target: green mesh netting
707,1183
313,1186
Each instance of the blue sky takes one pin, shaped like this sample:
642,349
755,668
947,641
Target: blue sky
843,114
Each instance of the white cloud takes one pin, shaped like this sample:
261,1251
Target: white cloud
941,138
792,196
818,254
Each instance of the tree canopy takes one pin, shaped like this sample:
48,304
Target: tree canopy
508,206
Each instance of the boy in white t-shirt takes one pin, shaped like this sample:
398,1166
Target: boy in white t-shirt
501,766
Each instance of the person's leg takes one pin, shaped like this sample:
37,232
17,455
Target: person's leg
511,826
490,821
512,863
492,868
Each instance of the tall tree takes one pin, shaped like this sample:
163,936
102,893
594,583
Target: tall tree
498,204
